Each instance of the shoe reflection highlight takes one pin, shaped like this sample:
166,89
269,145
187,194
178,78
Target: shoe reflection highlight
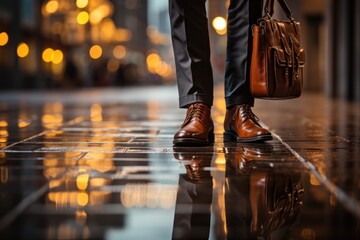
261,202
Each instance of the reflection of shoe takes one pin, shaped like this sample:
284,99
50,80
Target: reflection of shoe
198,127
195,165
241,125
243,157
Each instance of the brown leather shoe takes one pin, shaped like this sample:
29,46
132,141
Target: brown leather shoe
198,127
241,125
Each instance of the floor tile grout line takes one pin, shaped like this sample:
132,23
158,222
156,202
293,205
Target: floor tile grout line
11,216
73,121
348,202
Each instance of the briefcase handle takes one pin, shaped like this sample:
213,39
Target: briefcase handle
269,8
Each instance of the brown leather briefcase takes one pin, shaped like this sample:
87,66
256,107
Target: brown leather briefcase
277,60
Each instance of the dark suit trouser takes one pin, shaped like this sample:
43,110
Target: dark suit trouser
190,37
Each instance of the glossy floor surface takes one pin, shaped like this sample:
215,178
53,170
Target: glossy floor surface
100,164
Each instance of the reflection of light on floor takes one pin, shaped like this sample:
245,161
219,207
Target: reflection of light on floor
332,200
314,181
82,181
78,198
4,133
3,123
220,162
82,199
96,113
2,154
68,230
52,116
4,174
151,195
308,233
99,161
219,183
81,217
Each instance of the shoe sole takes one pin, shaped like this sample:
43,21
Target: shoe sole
194,141
232,137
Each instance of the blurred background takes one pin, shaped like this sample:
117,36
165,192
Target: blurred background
71,44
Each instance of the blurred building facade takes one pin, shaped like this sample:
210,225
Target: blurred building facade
89,43
82,43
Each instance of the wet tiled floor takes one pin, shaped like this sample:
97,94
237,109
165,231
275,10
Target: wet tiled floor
100,164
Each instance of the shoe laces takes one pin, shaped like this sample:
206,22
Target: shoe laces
196,111
246,113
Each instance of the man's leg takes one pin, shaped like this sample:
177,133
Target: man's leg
240,123
190,37
242,15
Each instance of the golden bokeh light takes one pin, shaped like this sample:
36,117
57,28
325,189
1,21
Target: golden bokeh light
22,50
47,55
58,57
95,52
4,38
82,3
157,66
99,13
219,24
113,65
119,52
52,6
51,55
107,30
82,18
123,35
153,60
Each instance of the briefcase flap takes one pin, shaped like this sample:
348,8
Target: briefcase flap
286,60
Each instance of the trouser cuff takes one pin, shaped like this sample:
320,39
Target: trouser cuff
190,99
238,100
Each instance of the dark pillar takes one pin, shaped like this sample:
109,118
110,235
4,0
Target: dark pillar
15,34
331,55
343,49
356,89
40,80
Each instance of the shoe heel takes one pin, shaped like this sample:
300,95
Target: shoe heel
229,137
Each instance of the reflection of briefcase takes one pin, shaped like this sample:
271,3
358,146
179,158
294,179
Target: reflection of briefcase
276,199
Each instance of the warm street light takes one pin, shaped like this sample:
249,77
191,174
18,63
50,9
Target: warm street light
119,52
22,50
57,56
82,17
52,6
95,52
47,55
4,38
81,3
219,24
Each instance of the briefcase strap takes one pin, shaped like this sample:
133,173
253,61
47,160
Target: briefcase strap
269,8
